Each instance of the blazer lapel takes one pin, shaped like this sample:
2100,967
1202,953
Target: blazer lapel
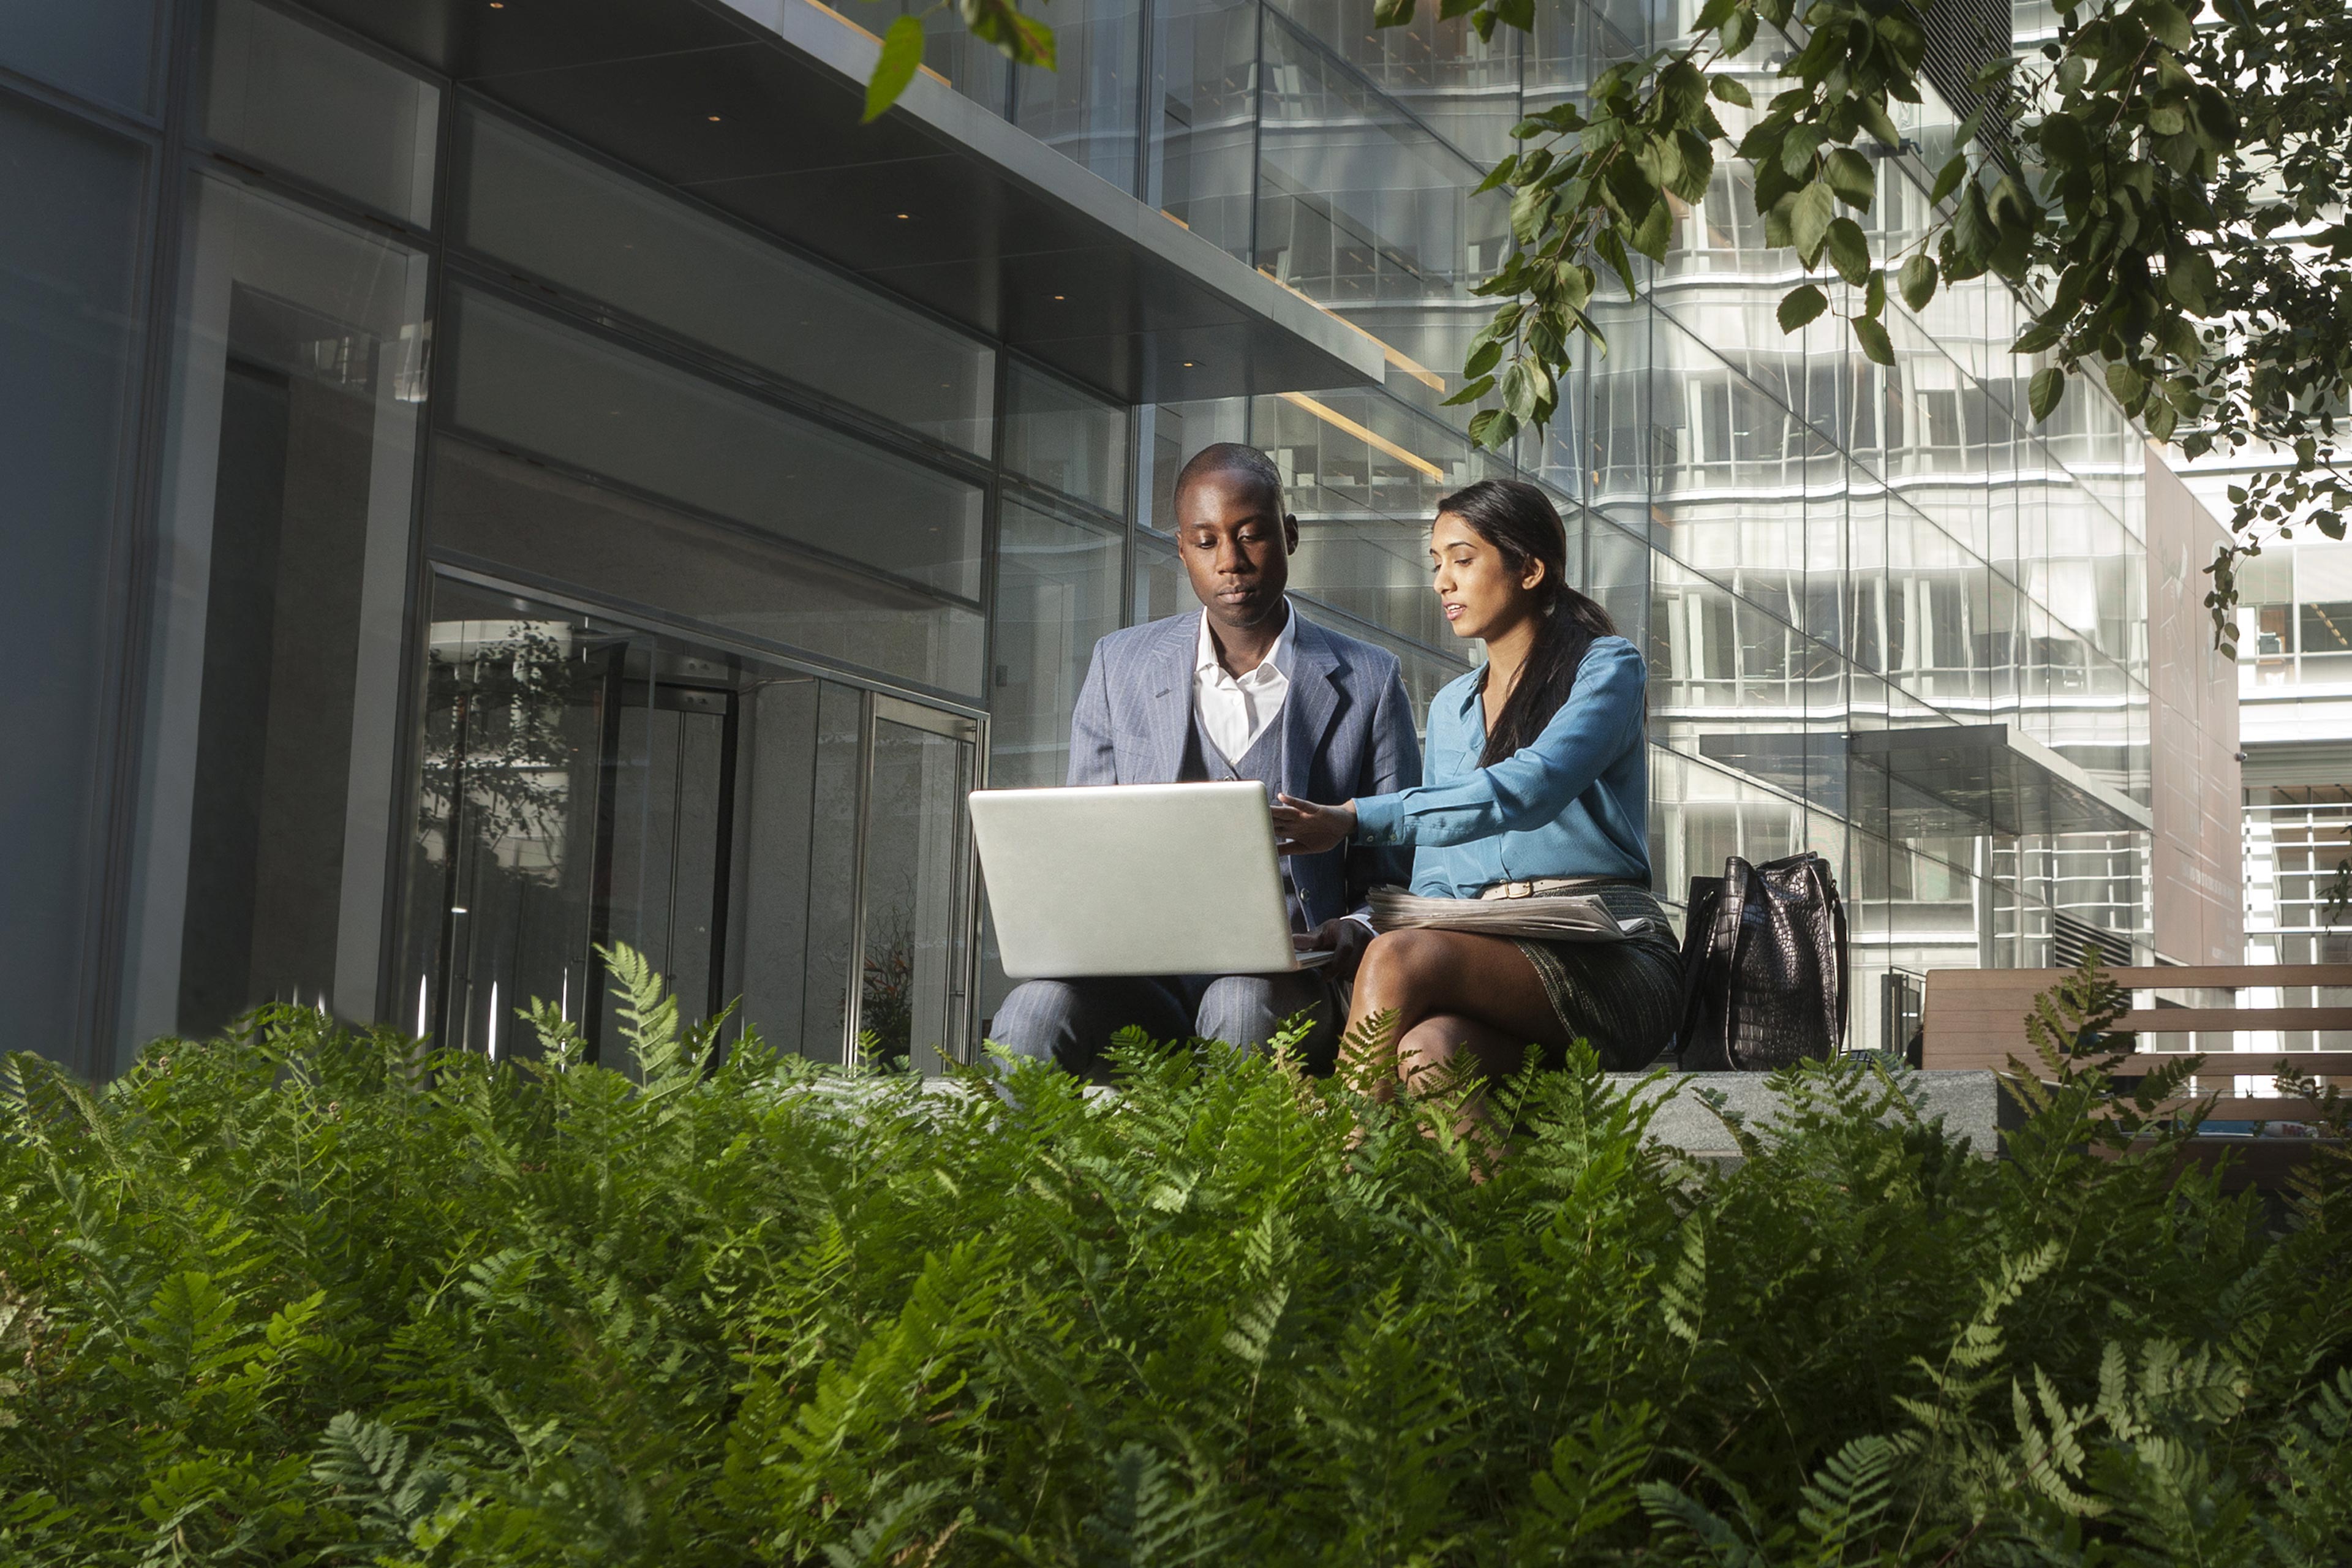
1310,709
1169,692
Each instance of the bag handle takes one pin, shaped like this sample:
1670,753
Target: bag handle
1722,954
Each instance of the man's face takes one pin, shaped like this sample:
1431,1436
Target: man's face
1237,548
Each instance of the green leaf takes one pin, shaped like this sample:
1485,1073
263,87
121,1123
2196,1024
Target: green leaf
2127,383
1391,13
1917,281
1021,39
1852,177
2042,393
2063,140
1470,393
2036,337
1949,179
1493,428
1612,250
1798,145
2193,282
2179,338
1809,219
2166,22
1729,90
1873,296
1654,232
1800,305
1849,251
902,52
2160,417
1972,227
1499,175
1871,335
1875,121
1483,358
1575,284
1519,389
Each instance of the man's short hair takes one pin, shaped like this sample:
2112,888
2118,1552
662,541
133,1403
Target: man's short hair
1223,458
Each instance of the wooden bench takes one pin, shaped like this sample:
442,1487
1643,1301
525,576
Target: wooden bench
1975,1018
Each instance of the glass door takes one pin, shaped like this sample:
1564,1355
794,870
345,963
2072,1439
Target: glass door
915,916
758,832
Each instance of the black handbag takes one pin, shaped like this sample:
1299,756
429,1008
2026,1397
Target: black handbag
1764,967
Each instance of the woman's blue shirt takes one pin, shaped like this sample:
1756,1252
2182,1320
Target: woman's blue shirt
1575,803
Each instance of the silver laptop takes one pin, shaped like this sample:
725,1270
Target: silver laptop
1134,879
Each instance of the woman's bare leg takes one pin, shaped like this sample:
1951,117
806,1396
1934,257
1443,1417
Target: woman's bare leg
1482,988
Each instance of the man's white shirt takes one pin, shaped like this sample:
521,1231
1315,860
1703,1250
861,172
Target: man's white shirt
1236,710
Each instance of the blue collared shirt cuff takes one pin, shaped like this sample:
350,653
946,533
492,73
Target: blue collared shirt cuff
1379,818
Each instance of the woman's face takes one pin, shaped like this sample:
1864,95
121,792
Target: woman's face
1483,596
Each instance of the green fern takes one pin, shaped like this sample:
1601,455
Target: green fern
305,1295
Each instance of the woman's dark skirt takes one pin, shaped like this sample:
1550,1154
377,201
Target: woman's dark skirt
1625,997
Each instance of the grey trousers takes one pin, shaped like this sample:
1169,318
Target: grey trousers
1070,1022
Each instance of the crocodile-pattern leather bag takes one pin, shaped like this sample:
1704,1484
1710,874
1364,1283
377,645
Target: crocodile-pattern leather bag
1764,967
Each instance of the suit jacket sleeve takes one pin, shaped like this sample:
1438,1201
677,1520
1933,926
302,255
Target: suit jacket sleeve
1392,763
1093,757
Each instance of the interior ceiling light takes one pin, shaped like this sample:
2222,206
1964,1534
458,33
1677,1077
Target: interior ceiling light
902,215
714,119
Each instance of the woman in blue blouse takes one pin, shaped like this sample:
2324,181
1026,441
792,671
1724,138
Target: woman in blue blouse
1536,783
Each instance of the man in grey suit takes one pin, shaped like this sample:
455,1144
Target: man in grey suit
1245,687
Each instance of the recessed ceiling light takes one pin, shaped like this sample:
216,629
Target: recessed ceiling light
1061,295
1187,365
902,215
714,119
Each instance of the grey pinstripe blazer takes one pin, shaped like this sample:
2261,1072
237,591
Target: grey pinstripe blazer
1350,734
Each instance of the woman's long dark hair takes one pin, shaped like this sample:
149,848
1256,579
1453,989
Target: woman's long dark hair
1520,521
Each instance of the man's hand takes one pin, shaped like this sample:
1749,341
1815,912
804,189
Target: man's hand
1347,939
1302,827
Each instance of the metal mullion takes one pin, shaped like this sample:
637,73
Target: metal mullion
854,998
112,834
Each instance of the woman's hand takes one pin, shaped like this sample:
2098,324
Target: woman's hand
1303,827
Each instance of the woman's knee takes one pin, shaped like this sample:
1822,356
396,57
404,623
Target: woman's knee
1402,962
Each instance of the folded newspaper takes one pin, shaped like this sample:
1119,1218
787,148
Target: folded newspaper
1559,916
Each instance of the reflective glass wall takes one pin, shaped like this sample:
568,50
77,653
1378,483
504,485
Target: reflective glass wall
458,552
521,557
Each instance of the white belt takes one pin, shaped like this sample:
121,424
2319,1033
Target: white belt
1535,888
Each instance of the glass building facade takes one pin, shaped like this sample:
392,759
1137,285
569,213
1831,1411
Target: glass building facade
444,545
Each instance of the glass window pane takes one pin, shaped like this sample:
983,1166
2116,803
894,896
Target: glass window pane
527,380
1060,437
1085,107
911,999
97,47
582,226
1056,593
68,278
316,107
1162,589
277,648
633,551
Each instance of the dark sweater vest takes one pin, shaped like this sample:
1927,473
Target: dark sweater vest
1262,763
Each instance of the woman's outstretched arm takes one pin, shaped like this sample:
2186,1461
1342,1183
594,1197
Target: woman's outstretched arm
1534,784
